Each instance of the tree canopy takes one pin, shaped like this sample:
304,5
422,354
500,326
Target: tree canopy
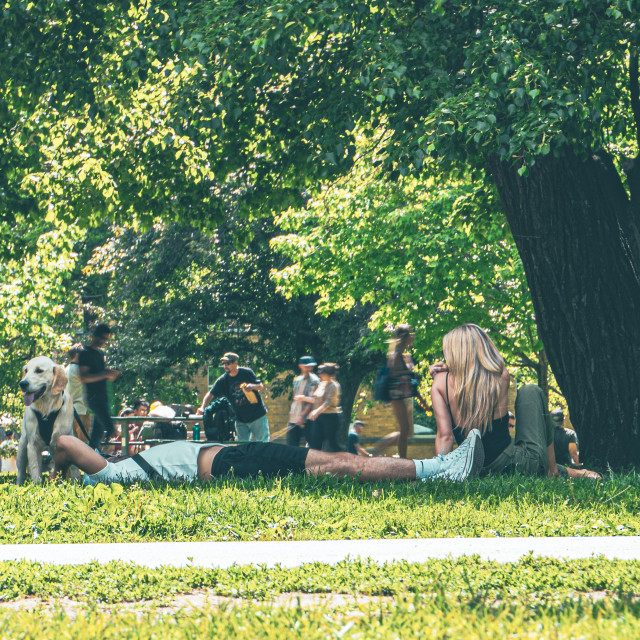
431,254
190,110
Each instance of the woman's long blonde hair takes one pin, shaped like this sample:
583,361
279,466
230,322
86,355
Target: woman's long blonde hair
476,367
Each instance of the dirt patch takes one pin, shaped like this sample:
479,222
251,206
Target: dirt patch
195,600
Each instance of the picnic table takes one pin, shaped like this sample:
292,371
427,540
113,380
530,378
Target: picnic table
125,421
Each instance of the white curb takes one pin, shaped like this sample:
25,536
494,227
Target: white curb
294,554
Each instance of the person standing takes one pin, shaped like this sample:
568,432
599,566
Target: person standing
95,375
242,388
326,415
76,391
303,387
402,384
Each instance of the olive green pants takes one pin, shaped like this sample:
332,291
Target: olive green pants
527,452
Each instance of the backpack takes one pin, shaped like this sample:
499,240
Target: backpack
381,385
218,420
173,430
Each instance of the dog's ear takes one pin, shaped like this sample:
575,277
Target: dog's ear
59,380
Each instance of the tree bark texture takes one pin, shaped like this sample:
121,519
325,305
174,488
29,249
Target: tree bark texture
577,234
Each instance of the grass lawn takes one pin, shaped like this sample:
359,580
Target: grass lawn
300,508
440,599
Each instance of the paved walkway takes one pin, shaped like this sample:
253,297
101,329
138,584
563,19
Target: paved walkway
293,554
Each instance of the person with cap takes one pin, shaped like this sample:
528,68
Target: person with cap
353,440
242,388
326,415
565,441
303,387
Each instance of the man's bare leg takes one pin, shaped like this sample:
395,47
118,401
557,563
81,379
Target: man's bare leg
458,465
370,469
72,451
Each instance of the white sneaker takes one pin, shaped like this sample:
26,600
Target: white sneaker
465,461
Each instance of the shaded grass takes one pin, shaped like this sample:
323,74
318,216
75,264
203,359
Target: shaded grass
302,508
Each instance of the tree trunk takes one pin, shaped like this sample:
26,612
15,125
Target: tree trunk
543,373
575,230
350,380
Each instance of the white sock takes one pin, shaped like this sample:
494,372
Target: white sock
427,467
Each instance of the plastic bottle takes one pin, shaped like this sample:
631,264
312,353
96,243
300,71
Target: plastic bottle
196,432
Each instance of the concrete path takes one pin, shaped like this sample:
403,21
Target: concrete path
293,554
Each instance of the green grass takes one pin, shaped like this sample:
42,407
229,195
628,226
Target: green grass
300,508
545,580
439,599
534,598
407,618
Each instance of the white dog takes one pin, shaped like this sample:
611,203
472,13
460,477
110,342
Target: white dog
48,414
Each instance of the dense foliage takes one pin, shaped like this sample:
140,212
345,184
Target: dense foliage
413,252
191,110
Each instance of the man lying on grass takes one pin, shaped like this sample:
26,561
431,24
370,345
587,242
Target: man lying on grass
189,461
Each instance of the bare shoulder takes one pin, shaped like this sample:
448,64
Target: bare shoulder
439,381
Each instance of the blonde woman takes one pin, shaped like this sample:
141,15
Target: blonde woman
469,391
402,383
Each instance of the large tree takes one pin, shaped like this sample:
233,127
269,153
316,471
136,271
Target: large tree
262,100
539,97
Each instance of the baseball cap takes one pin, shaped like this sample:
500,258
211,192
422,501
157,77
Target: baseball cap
557,415
307,361
229,357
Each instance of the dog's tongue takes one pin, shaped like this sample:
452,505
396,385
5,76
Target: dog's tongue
29,398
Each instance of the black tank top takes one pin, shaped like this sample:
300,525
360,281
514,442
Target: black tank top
494,441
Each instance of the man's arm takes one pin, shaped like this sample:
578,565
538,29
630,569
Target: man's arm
254,384
552,465
573,452
205,402
362,451
87,378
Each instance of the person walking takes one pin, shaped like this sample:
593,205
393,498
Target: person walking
95,375
403,384
242,388
77,393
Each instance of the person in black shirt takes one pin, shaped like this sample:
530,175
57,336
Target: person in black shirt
242,388
353,440
565,441
95,375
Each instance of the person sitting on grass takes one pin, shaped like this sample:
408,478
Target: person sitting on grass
469,392
190,461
